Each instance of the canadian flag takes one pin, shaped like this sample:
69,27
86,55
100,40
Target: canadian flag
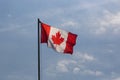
59,40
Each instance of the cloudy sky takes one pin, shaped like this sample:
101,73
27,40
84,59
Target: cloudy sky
96,55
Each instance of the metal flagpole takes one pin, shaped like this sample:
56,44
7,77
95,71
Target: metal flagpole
38,50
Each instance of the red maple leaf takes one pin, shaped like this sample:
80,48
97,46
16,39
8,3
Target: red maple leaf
57,39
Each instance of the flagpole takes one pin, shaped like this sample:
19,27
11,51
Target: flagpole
38,50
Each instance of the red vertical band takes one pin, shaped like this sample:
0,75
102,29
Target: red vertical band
45,30
71,41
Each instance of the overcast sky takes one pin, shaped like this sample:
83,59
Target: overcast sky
97,52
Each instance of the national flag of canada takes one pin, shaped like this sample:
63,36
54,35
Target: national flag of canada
59,40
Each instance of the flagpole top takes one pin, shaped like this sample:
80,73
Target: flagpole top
39,20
